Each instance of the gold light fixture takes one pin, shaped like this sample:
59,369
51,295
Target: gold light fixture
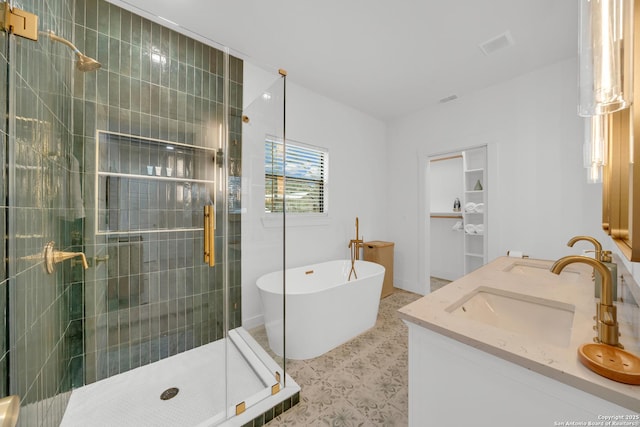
595,147
605,52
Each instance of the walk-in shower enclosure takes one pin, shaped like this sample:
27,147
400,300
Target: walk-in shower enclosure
116,163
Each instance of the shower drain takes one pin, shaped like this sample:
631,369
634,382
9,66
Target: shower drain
169,393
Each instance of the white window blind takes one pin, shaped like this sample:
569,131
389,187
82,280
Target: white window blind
306,177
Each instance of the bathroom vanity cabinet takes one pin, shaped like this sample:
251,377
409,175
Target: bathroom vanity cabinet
453,384
464,370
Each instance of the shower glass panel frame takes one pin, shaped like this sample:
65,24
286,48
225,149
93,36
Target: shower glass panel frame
265,119
75,327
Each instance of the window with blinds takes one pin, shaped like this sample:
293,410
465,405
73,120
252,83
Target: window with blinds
305,173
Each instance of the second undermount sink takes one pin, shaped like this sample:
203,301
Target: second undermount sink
541,319
541,270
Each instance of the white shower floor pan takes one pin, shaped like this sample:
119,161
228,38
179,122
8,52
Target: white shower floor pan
133,398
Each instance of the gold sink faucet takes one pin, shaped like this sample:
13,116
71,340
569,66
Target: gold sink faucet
596,244
606,317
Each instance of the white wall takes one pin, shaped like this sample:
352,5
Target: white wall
446,252
446,185
358,171
538,195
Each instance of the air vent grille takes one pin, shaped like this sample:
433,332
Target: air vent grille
448,99
502,41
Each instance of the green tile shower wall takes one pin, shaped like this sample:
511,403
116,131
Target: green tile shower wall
35,180
151,296
75,327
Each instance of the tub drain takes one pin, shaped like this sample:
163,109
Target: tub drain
169,393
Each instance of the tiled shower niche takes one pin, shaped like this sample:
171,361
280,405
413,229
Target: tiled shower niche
148,184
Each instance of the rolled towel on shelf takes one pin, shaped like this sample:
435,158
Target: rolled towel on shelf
479,208
480,228
469,207
470,229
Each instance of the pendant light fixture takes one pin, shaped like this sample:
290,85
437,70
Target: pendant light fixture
605,48
595,147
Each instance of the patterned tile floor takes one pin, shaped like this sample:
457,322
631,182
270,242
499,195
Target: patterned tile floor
437,283
360,383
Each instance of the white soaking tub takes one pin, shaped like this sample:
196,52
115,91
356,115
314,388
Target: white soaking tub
324,308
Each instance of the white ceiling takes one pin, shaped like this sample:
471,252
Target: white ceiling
387,58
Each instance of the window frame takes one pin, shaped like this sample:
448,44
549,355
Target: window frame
324,182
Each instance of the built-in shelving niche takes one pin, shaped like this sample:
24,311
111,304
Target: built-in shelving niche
150,185
458,239
474,208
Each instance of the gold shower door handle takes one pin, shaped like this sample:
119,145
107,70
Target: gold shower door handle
209,235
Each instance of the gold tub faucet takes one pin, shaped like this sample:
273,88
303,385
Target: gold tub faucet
606,317
355,245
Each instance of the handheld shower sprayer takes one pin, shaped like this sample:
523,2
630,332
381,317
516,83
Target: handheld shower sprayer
83,62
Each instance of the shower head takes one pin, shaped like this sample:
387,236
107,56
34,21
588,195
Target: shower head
83,62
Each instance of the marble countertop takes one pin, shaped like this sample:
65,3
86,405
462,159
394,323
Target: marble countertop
574,286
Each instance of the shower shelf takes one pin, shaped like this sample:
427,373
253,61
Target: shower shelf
135,195
156,177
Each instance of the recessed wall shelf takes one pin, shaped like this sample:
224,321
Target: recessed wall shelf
148,185
153,177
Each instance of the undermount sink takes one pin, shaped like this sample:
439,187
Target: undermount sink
544,320
541,270
610,362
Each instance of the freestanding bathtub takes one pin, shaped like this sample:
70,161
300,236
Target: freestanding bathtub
324,308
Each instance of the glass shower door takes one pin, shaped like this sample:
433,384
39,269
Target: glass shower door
155,142
263,228
39,171
118,163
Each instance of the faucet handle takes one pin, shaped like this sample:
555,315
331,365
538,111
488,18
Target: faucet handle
605,256
52,257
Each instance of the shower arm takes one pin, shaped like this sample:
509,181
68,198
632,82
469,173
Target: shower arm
83,63
62,40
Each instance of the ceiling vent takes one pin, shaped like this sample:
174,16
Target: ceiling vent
448,99
500,42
